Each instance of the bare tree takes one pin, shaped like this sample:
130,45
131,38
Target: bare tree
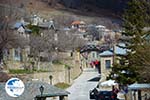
8,37
64,20
69,40
41,44
96,34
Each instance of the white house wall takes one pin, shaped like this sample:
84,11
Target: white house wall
93,56
105,71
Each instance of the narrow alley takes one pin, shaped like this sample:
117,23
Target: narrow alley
83,84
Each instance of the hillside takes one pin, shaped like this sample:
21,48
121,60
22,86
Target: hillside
113,5
88,12
107,7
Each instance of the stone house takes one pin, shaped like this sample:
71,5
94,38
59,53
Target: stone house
14,57
106,62
80,25
107,59
42,23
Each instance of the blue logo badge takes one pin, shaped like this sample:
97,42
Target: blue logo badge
14,87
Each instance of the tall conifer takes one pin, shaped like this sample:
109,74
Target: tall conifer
136,64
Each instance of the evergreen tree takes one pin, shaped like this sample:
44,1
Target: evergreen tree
136,18
137,61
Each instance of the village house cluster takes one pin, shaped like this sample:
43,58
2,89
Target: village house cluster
15,56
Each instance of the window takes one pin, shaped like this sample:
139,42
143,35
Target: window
17,55
6,54
93,55
107,63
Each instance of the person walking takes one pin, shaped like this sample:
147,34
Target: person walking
115,91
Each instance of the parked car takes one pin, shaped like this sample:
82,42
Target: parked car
102,95
94,94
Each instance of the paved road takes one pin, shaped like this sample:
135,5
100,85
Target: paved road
83,84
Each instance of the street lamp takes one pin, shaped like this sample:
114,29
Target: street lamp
41,89
69,73
50,78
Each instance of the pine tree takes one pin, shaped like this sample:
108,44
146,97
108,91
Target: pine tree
136,18
137,61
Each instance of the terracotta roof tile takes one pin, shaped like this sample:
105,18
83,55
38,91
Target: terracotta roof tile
78,22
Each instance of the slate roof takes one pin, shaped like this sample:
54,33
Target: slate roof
118,50
100,26
77,22
138,86
19,24
92,47
47,25
32,90
106,53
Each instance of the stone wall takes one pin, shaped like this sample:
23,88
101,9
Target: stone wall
58,71
59,74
